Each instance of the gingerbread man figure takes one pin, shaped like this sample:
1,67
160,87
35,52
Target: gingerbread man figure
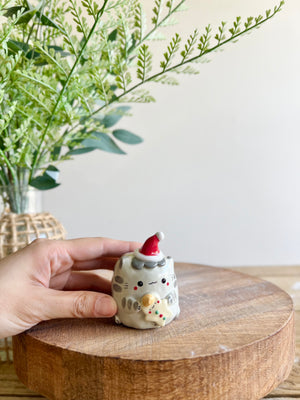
155,310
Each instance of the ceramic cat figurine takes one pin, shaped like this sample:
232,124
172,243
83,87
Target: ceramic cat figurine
145,288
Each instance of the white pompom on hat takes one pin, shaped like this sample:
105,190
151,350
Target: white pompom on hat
150,250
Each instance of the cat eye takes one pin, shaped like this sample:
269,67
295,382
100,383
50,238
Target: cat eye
163,280
140,283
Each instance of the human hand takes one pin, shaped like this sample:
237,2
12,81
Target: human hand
54,279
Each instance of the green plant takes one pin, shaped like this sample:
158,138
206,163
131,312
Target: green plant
63,87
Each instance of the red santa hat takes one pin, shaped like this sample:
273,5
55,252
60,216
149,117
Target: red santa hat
150,250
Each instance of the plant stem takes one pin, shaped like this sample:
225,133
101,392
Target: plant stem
3,176
9,166
37,154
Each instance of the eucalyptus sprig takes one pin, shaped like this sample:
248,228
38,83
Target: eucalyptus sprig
62,85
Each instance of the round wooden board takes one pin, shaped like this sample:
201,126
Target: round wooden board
234,340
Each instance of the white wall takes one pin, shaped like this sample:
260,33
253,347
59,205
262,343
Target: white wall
219,169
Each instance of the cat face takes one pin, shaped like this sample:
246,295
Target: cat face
160,279
146,292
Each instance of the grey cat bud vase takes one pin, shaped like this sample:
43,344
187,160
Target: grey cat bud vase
145,288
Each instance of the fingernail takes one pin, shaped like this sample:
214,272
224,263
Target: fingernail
105,307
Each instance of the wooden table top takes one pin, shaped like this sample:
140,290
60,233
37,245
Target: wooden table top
287,278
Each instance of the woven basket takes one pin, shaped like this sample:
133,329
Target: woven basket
16,232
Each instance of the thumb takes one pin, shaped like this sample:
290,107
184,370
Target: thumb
78,304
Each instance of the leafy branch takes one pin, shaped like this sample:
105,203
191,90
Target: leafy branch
62,88
160,23
171,51
157,11
173,48
65,85
203,47
189,46
144,62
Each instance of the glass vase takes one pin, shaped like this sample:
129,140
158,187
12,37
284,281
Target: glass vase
20,199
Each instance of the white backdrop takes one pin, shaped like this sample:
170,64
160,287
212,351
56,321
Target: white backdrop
219,167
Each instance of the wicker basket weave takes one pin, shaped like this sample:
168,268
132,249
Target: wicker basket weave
16,232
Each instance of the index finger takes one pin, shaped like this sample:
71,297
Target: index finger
92,248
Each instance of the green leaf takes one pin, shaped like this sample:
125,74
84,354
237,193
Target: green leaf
59,50
26,16
113,35
127,137
46,21
28,13
52,171
112,118
52,168
103,142
56,153
43,182
39,60
13,11
82,150
16,46
47,180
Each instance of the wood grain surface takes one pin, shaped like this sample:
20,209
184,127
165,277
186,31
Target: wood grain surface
234,340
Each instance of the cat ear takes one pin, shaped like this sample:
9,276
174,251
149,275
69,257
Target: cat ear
162,262
137,264
120,263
